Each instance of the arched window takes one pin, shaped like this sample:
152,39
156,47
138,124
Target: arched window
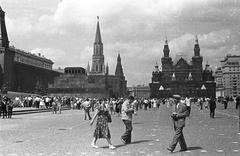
96,67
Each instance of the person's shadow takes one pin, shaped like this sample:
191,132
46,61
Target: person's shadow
134,142
192,148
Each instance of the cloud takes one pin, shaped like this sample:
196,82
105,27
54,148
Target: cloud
64,30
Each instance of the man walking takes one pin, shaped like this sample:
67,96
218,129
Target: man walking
87,106
179,123
127,111
212,105
188,104
237,102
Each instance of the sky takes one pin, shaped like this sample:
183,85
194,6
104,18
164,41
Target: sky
64,31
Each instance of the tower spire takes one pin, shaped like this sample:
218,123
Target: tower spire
196,47
98,66
3,31
107,69
98,38
119,69
166,48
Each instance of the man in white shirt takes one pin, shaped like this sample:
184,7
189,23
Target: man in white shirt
127,111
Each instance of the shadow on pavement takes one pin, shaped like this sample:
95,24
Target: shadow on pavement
134,142
137,123
194,148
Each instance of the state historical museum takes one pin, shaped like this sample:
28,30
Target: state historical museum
182,77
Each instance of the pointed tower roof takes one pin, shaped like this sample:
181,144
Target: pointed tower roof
119,69
3,31
166,40
88,68
166,48
107,69
98,38
196,47
196,39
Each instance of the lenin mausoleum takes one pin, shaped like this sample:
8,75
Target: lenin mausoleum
95,81
182,77
22,71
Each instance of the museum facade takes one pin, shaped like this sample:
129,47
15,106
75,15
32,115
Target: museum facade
182,77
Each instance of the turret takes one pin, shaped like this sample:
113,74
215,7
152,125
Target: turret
166,49
156,68
107,69
88,68
3,31
119,70
166,60
196,47
98,66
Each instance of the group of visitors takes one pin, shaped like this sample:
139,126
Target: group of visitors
103,117
6,107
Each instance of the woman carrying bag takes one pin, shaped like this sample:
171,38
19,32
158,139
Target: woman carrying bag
102,129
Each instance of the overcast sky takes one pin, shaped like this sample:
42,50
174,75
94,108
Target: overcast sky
64,30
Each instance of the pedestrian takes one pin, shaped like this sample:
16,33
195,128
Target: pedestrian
86,107
9,107
4,106
102,128
212,106
54,107
179,123
237,102
225,102
127,112
188,104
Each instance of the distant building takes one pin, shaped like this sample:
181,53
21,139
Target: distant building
182,77
94,81
219,82
139,91
22,71
230,68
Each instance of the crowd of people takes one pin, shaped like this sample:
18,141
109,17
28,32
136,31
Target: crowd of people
124,107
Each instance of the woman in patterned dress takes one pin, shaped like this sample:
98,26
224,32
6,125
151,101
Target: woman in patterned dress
102,129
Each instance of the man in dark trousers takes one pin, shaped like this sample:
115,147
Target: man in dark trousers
237,102
212,106
127,111
178,117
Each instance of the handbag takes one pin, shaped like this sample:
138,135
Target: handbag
109,118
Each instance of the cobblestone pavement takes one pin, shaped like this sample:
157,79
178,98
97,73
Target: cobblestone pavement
67,134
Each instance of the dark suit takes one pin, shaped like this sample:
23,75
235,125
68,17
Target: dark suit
179,123
212,106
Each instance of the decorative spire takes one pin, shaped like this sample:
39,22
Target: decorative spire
3,31
196,47
196,39
156,67
107,69
166,48
88,68
98,65
119,69
166,40
98,38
